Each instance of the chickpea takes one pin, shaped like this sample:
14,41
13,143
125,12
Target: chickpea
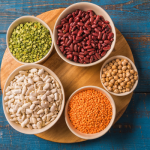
131,77
132,71
114,67
107,79
123,91
117,60
109,88
113,61
103,75
110,64
110,84
128,86
119,80
129,83
127,89
104,69
129,66
126,79
115,70
135,77
116,77
120,75
119,67
122,84
113,73
108,74
124,63
116,91
119,71
123,75
115,87
103,80
132,80
125,60
115,64
112,81
116,83
108,68
127,71
124,68
127,74
106,84
135,73
120,87
110,78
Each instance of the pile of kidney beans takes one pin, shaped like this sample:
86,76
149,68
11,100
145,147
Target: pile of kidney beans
84,37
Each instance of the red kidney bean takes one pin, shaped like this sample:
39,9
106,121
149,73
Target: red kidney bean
60,34
68,53
66,35
69,56
103,53
87,22
106,48
91,19
70,20
94,37
75,32
109,26
88,27
100,24
81,56
79,38
80,32
91,59
77,11
86,18
104,26
96,30
104,36
111,39
110,35
85,53
81,60
87,56
75,58
75,41
95,58
73,14
94,26
107,42
91,49
69,42
59,30
90,37
71,47
81,53
95,34
75,48
98,56
80,23
86,60
75,53
99,46
82,49
91,53
88,42
69,16
99,35
93,45
103,45
59,26
87,47
107,22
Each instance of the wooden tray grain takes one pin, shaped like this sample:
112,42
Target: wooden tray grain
72,78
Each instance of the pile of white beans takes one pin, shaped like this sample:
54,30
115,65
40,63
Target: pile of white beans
33,99
118,76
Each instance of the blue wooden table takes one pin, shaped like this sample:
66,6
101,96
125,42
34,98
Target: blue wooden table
132,131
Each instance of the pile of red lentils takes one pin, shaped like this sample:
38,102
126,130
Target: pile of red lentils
90,111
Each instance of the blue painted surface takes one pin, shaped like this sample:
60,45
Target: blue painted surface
132,131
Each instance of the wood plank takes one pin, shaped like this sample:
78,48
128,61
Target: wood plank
139,43
130,132
128,16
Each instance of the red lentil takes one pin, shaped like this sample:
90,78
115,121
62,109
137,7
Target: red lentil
90,111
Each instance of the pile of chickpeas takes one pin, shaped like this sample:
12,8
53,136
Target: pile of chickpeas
118,76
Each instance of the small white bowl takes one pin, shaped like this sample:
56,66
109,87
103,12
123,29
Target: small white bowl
25,19
18,126
134,67
95,135
84,6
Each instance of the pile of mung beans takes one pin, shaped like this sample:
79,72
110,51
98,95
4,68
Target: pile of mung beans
118,76
30,42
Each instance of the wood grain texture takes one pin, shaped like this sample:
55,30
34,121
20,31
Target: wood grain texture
72,78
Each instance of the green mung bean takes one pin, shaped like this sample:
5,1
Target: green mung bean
30,42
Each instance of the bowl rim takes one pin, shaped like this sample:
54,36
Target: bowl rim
108,126
62,105
44,24
78,64
134,67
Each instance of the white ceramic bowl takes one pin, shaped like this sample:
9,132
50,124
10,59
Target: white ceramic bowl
18,126
95,135
134,67
84,6
24,19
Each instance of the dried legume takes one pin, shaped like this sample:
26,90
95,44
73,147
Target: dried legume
90,111
30,42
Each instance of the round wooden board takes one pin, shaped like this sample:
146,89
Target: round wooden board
72,78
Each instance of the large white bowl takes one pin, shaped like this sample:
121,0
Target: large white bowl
25,19
18,126
134,67
84,6
95,135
